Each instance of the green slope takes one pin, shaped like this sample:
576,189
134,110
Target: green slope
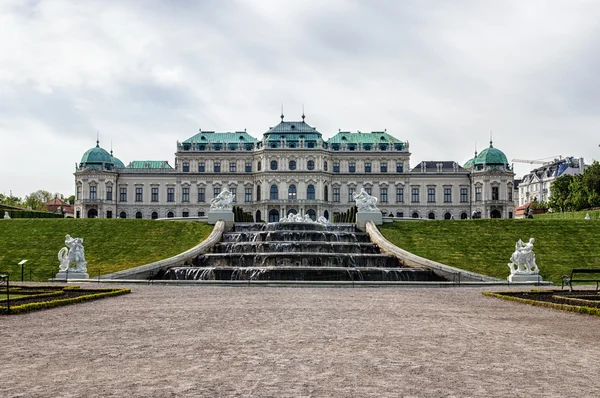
485,246
110,245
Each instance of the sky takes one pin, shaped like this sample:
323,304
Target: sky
142,75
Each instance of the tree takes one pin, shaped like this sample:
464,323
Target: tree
560,192
36,200
591,183
10,200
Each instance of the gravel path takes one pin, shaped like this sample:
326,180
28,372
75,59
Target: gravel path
163,341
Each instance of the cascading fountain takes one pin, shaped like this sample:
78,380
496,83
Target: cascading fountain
297,251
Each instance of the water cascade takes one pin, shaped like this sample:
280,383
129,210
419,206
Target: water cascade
297,251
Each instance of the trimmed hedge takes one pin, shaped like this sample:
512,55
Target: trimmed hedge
95,294
563,307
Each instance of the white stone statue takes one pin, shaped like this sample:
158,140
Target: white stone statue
523,259
365,202
322,220
223,201
587,216
6,215
73,253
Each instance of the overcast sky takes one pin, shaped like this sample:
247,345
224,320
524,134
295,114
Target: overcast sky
438,74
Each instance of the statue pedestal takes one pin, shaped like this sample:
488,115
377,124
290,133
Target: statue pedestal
71,275
225,215
525,278
363,216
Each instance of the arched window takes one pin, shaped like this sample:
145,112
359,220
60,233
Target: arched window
273,165
93,213
447,216
325,194
273,215
138,214
325,165
122,215
464,216
292,194
310,165
274,193
258,192
415,215
170,214
154,215
400,214
312,214
258,216
326,214
431,216
292,211
310,192
292,165
259,165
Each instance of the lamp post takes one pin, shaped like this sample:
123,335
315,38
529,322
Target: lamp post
22,264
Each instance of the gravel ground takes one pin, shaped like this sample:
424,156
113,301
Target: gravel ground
163,341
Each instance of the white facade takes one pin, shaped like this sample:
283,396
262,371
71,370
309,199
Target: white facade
292,169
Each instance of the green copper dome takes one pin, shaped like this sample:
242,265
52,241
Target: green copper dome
469,163
491,157
116,161
97,157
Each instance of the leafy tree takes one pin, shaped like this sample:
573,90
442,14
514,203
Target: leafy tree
36,200
577,199
560,192
591,183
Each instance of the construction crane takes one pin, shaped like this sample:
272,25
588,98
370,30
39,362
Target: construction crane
536,161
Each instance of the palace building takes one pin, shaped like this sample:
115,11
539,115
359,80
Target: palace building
292,169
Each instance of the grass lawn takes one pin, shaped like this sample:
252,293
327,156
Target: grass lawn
485,245
110,244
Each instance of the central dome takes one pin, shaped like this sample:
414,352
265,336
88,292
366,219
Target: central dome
491,157
97,158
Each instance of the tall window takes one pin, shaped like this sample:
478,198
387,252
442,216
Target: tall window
138,194
326,194
274,194
248,167
351,191
247,194
367,167
258,192
201,195
292,194
259,165
233,192
93,192
383,167
170,194
216,191
336,167
430,194
310,192
201,167
336,194
400,194
232,167
463,195
399,167
217,167
495,193
78,192
368,190
510,194
186,167
185,194
292,165
325,165
273,165
447,194
414,195
123,194
478,191
154,194
352,167
109,192
310,165
384,196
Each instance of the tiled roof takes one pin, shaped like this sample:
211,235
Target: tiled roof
149,164
204,137
431,166
293,127
375,137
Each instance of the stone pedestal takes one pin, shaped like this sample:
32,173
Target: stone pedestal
363,217
226,215
525,278
71,275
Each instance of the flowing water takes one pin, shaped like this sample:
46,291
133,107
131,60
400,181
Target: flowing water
302,251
